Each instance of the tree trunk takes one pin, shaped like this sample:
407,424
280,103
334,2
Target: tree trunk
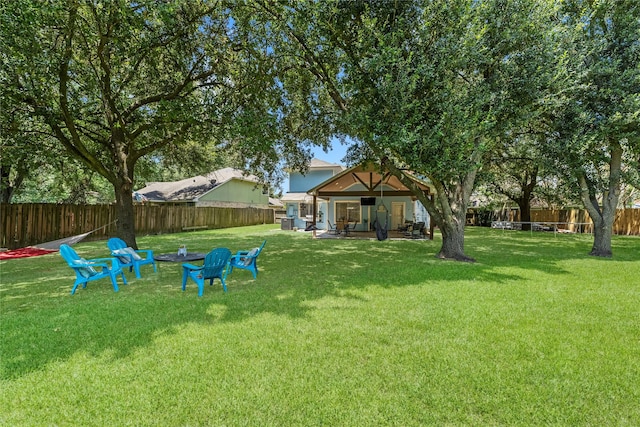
453,242
8,188
603,217
603,225
527,184
124,212
525,212
453,206
601,239
449,214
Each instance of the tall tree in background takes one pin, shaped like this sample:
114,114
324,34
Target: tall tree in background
597,130
34,167
25,145
514,170
426,86
18,156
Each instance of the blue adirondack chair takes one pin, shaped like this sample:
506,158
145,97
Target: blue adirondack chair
246,260
129,257
213,267
92,269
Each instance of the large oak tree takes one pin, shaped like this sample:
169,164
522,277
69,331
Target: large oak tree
119,81
596,134
115,81
427,86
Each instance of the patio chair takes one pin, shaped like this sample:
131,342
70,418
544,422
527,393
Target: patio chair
246,260
417,231
333,228
129,257
349,227
402,228
213,268
92,269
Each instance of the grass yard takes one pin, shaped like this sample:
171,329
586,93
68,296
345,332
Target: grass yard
332,333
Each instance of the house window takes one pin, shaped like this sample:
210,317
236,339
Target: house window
348,211
305,209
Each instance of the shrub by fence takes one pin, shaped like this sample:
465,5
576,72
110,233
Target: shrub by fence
29,224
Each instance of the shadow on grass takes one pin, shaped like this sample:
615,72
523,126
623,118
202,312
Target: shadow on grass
41,323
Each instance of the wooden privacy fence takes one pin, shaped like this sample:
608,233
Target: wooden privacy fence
152,219
627,221
29,224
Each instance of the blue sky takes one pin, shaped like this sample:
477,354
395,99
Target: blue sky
333,156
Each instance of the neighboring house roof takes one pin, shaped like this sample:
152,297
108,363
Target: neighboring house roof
191,189
275,202
297,197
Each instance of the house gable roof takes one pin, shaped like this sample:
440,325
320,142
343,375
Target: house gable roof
321,164
369,176
193,188
317,164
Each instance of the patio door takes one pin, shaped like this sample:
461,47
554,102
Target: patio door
397,215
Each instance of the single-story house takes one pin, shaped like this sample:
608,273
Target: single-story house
226,187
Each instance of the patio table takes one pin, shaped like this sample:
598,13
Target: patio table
174,257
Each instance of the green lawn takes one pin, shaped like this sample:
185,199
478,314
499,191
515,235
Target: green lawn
332,333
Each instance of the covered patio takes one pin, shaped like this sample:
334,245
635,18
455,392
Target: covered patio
359,197
371,235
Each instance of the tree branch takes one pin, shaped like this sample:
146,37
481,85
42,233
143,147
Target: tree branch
316,67
160,143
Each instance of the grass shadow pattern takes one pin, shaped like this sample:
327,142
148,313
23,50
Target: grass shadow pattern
321,301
